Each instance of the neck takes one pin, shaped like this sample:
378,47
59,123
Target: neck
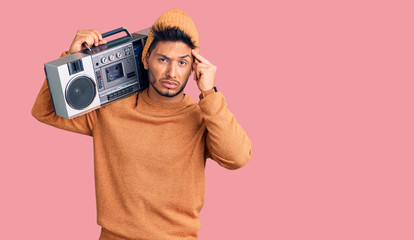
154,95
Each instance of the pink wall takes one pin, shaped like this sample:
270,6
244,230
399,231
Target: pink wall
324,89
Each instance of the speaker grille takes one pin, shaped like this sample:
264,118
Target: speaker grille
80,92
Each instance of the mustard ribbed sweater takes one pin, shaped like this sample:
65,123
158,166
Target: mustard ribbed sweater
150,158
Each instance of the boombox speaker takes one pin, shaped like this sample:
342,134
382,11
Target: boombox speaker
92,78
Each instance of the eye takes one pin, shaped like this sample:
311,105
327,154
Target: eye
183,63
162,60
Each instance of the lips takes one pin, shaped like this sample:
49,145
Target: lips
171,84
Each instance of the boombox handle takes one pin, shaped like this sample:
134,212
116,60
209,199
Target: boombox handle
115,31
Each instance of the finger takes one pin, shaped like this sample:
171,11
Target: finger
199,57
204,68
89,39
89,36
82,36
95,37
98,37
197,73
97,34
201,65
196,76
103,41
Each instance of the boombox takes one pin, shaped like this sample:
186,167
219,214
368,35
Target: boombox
94,77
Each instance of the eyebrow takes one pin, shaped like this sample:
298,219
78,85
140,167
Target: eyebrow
162,55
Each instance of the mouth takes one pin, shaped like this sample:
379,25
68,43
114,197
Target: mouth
170,84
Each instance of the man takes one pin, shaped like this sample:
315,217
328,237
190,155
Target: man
150,148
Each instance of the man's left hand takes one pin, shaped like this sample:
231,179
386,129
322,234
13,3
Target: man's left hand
204,72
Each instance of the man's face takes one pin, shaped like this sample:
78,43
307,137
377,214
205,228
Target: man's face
169,66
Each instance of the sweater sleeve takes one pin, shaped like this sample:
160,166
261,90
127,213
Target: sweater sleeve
226,141
44,112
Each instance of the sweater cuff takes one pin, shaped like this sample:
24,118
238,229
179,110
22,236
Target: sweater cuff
64,54
204,94
212,103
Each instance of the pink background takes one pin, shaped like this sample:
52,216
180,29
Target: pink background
323,88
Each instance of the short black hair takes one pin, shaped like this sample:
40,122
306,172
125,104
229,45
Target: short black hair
166,34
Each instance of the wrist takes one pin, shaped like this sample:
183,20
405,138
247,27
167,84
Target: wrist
207,92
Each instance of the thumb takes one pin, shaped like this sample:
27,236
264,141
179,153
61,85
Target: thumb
194,66
103,41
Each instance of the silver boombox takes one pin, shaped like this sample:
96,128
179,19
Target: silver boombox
94,77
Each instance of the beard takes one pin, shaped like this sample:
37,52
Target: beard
153,81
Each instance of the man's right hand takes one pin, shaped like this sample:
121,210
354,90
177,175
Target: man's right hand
91,37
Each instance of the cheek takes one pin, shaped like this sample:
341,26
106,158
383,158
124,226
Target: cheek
185,72
151,76
155,70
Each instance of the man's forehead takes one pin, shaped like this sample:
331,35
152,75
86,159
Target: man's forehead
173,49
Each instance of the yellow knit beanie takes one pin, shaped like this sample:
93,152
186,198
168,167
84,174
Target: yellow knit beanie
173,18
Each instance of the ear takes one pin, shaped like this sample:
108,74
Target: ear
145,62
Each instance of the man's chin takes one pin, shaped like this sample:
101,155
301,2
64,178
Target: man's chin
168,92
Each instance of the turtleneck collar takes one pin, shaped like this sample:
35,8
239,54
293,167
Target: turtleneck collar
186,101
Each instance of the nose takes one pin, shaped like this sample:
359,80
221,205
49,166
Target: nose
172,70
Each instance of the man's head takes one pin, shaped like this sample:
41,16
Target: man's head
167,53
